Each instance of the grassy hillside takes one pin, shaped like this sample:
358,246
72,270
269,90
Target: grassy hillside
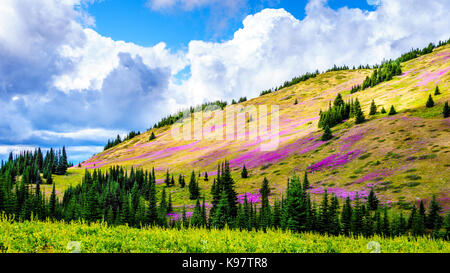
405,156
32,237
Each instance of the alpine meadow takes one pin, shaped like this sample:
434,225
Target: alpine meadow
344,159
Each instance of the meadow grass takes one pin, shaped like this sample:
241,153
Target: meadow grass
55,237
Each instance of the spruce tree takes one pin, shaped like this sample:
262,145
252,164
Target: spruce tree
327,135
346,217
222,213
244,173
194,192
434,218
373,108
436,91
430,102
392,111
446,111
383,111
372,200
152,136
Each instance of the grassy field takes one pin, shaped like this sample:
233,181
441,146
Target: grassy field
38,237
404,156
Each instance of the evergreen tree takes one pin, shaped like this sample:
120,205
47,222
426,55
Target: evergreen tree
373,108
383,111
327,135
181,181
436,91
372,200
52,203
430,102
294,216
222,213
228,185
434,218
194,192
244,173
152,136
446,111
392,111
206,176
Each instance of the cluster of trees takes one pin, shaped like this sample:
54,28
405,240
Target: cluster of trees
383,73
241,99
29,165
118,140
171,119
414,53
339,68
132,197
292,82
338,112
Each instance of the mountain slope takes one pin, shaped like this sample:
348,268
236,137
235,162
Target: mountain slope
404,156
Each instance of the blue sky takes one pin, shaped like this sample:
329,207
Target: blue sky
133,21
77,72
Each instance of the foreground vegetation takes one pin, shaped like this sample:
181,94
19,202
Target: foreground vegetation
36,236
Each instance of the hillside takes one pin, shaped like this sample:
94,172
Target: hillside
405,156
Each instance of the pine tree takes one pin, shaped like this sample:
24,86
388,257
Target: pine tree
196,219
244,173
446,111
372,200
327,135
181,181
434,218
152,136
152,212
430,102
52,203
194,192
294,216
228,184
392,111
333,213
296,101
383,111
222,213
206,176
305,182
373,108
436,91
338,101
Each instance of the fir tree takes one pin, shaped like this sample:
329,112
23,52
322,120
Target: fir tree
436,91
327,135
372,200
434,219
194,192
446,111
244,173
392,111
373,108
222,213
383,111
430,102
152,136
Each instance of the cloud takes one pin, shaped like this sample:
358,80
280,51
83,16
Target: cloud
60,81
63,83
273,46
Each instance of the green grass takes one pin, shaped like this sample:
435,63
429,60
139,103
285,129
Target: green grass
55,237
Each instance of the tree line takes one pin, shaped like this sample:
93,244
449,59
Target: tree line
118,140
118,196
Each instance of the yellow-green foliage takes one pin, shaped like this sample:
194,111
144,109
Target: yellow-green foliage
33,236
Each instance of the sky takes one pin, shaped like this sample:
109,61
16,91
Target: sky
79,72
